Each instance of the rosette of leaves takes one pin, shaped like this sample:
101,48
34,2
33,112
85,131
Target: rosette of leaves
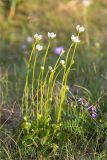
43,137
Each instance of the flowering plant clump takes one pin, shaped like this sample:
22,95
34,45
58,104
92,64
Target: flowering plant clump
49,116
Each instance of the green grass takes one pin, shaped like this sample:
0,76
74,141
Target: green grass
76,136
49,124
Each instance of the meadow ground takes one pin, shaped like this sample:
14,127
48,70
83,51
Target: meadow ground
43,114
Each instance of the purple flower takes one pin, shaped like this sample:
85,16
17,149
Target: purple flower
94,115
90,108
29,39
23,46
58,50
92,111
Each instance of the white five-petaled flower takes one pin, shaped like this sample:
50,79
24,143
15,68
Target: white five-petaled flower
75,39
37,36
80,28
51,35
39,47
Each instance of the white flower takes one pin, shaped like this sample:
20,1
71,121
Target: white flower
42,68
51,35
77,27
50,68
37,36
72,37
86,3
75,39
80,28
62,62
39,47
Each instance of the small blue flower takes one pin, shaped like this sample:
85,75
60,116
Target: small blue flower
94,115
29,39
92,111
23,46
58,50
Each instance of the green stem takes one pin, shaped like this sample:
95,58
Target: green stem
33,79
64,80
25,94
46,53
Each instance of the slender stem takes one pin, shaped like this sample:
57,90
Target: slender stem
64,80
37,97
46,53
25,94
68,52
33,79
